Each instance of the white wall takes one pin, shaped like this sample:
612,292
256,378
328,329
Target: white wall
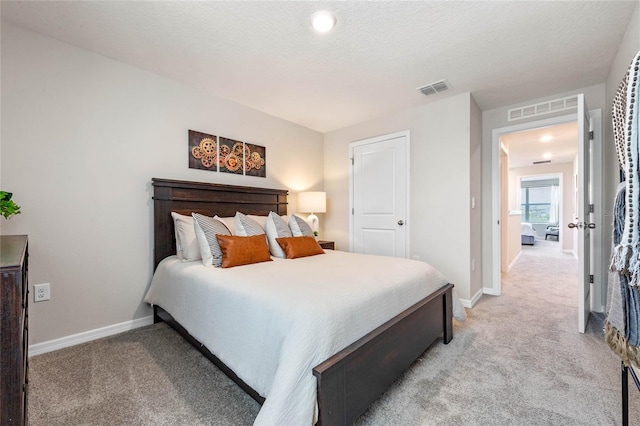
475,176
82,135
440,182
513,246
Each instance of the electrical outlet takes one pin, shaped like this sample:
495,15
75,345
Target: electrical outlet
41,292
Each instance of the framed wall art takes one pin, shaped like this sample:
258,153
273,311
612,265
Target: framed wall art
203,151
255,160
217,153
231,156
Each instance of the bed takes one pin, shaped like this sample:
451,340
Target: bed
528,234
351,367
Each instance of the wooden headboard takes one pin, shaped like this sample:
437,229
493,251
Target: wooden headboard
208,199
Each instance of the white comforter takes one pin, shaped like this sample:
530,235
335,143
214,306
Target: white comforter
272,322
527,229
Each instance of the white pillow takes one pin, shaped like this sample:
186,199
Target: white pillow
206,230
276,227
176,236
247,227
187,246
262,220
300,227
229,222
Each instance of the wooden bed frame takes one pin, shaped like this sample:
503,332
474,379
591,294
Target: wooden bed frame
352,379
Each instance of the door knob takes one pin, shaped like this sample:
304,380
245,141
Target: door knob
591,225
574,225
401,222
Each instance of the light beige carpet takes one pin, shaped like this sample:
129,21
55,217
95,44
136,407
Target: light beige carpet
518,360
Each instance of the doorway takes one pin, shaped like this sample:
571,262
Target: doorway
594,188
542,166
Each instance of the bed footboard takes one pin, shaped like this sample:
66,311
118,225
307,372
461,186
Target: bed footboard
351,380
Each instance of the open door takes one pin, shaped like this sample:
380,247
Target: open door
583,223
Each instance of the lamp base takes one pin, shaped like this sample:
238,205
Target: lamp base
313,221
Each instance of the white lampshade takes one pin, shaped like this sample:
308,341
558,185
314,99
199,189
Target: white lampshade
312,202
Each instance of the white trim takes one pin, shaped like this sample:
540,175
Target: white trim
489,291
514,262
543,108
469,303
87,336
406,134
572,253
600,263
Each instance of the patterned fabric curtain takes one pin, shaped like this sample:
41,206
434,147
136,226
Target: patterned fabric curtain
622,326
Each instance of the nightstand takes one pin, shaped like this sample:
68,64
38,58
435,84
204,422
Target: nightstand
327,245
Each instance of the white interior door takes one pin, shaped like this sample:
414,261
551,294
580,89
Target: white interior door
583,222
379,195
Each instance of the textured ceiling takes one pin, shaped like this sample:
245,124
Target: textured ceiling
526,147
265,54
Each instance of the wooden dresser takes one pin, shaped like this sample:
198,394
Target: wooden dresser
14,340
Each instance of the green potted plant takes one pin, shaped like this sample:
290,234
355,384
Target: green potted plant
7,206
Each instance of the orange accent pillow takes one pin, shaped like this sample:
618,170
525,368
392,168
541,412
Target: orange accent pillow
238,251
294,247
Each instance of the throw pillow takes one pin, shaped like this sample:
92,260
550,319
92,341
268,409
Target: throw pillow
299,227
295,247
187,246
276,227
237,251
246,227
206,230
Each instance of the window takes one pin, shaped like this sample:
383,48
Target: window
536,204
540,200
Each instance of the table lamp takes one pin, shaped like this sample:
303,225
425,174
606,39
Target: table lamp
312,202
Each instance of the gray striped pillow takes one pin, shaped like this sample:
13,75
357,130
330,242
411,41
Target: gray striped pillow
276,227
206,230
299,227
247,227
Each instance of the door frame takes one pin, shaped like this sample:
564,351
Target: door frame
406,134
597,301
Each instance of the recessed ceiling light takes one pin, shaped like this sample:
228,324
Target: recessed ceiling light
323,21
546,155
546,138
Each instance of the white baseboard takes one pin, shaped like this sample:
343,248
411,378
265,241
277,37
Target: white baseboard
87,336
468,303
489,291
514,262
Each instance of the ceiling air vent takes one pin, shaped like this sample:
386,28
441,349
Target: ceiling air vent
542,162
433,88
